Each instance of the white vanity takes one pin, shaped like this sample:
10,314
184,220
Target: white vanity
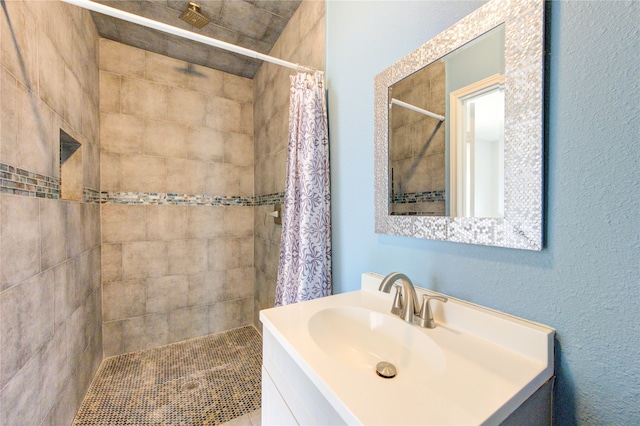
477,366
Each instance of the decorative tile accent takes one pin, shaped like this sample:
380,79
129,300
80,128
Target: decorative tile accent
90,195
415,214
269,199
161,198
207,380
17,181
419,197
14,180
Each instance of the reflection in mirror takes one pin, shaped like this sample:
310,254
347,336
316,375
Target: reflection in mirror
477,149
446,134
417,143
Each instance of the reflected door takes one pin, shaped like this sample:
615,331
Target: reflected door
477,150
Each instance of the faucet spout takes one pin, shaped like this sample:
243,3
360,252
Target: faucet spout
411,305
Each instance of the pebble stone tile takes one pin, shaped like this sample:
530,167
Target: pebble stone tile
204,381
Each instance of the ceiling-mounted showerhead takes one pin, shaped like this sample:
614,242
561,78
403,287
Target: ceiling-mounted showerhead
192,16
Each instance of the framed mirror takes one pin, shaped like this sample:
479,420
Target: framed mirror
458,132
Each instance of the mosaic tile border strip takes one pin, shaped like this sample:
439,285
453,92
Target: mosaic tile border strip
415,214
161,198
24,186
17,181
269,199
419,197
90,195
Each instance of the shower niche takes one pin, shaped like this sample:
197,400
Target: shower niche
71,173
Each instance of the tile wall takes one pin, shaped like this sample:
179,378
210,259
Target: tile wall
50,299
150,127
173,133
301,42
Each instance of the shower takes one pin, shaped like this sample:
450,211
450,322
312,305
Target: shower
193,16
160,247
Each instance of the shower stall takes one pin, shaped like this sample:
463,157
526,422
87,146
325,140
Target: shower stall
177,164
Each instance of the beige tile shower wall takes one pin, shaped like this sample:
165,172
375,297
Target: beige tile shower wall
49,81
301,42
173,127
50,298
174,272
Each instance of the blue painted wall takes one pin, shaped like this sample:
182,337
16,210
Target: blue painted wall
585,283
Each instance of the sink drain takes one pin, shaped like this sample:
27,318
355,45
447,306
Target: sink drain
386,370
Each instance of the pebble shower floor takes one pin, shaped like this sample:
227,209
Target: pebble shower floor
204,381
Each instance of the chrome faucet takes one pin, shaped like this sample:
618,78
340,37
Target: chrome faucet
410,300
426,315
405,304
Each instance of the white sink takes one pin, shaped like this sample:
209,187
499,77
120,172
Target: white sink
360,338
476,367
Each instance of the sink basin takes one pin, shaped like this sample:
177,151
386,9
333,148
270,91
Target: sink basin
360,338
476,367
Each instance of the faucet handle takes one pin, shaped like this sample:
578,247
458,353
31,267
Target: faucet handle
426,315
397,300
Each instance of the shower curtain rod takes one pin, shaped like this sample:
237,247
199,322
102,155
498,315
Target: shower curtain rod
136,19
416,109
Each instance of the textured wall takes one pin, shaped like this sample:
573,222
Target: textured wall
585,281
301,42
50,300
173,271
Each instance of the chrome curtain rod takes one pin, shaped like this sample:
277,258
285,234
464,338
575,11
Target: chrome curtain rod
416,109
150,23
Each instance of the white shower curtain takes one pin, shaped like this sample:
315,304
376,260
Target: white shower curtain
304,270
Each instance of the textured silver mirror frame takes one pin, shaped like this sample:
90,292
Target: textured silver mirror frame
521,226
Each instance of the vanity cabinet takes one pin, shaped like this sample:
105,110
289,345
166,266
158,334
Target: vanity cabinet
288,396
275,410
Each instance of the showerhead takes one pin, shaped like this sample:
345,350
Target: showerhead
192,16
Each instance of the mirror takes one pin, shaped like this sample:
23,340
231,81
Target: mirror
458,132
446,134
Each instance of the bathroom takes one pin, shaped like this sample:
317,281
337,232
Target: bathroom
58,258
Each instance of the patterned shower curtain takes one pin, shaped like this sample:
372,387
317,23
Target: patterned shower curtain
304,270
